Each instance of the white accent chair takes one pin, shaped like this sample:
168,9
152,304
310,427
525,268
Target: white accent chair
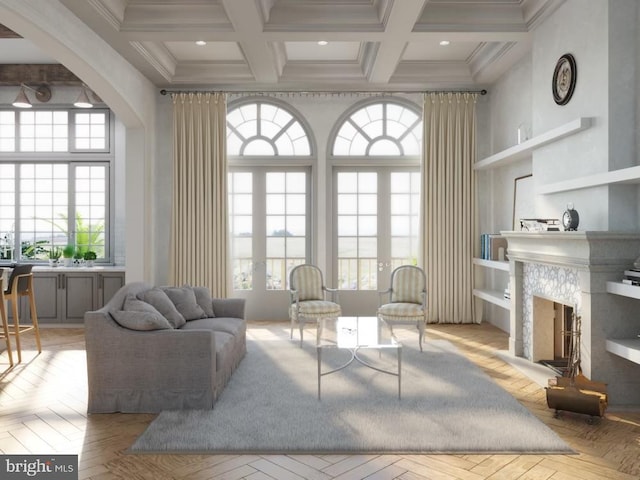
407,299
309,297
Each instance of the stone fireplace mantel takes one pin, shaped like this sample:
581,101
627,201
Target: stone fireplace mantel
573,268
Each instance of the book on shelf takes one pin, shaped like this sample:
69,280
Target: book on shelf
632,273
629,281
493,246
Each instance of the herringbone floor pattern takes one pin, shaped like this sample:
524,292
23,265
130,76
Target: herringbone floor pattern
43,410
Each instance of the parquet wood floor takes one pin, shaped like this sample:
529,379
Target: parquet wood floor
43,410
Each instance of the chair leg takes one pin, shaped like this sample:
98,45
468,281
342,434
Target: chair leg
5,330
420,333
301,323
34,319
16,325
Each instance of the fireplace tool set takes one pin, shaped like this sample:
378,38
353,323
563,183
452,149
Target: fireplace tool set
574,392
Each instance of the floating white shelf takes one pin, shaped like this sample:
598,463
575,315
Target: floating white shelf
495,264
492,296
523,150
623,175
623,289
628,348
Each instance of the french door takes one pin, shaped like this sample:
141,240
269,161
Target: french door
376,222
270,224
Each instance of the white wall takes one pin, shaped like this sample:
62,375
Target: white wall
603,37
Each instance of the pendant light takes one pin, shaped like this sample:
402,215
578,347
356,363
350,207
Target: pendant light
22,101
83,99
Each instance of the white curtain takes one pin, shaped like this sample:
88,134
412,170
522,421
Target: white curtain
448,205
199,220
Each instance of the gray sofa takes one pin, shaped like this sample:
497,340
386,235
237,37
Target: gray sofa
135,370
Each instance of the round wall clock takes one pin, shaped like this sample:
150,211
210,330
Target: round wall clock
564,79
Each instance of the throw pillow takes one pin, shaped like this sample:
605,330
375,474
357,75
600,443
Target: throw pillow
161,302
184,299
203,297
141,320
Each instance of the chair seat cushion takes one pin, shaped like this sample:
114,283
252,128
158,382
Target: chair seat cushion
314,308
400,310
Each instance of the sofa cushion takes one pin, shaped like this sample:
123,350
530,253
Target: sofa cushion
141,320
184,299
203,297
234,326
158,299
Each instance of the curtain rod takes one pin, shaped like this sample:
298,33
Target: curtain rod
321,92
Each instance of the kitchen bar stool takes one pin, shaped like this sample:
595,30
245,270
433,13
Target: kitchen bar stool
5,320
21,285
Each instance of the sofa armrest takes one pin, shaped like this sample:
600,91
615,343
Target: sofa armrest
229,307
119,358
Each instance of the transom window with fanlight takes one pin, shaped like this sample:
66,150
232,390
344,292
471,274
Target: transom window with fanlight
376,183
270,152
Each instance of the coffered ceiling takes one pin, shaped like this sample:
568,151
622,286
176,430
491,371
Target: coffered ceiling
273,44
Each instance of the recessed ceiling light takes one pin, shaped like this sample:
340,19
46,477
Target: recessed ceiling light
323,42
444,43
201,43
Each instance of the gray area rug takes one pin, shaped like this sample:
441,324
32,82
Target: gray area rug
448,405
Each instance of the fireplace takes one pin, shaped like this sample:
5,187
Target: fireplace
552,329
569,270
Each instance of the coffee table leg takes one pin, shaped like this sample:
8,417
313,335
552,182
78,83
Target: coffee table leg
399,370
319,350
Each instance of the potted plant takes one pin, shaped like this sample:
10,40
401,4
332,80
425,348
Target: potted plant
90,257
78,258
67,254
54,255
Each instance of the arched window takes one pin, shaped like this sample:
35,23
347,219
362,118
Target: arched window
263,128
376,149
380,129
269,195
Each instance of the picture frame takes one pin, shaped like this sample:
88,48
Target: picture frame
523,205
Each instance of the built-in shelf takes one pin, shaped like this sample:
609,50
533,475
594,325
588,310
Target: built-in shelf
628,348
495,264
524,149
623,289
623,175
493,296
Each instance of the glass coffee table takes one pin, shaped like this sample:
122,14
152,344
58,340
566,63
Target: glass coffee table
354,334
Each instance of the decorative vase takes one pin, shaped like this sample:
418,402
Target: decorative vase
53,262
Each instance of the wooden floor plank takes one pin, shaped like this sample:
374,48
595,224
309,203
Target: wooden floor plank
43,407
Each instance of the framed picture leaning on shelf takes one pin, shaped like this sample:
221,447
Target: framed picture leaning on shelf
523,206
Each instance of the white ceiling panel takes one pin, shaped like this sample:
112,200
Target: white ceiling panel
378,45
212,51
333,51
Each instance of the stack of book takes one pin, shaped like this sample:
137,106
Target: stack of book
632,277
493,246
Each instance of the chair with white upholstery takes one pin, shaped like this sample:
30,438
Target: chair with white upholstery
309,297
407,299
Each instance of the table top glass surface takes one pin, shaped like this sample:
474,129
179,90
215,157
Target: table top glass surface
355,332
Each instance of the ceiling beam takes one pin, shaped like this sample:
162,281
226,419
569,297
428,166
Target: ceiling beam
40,74
247,22
402,18
8,33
